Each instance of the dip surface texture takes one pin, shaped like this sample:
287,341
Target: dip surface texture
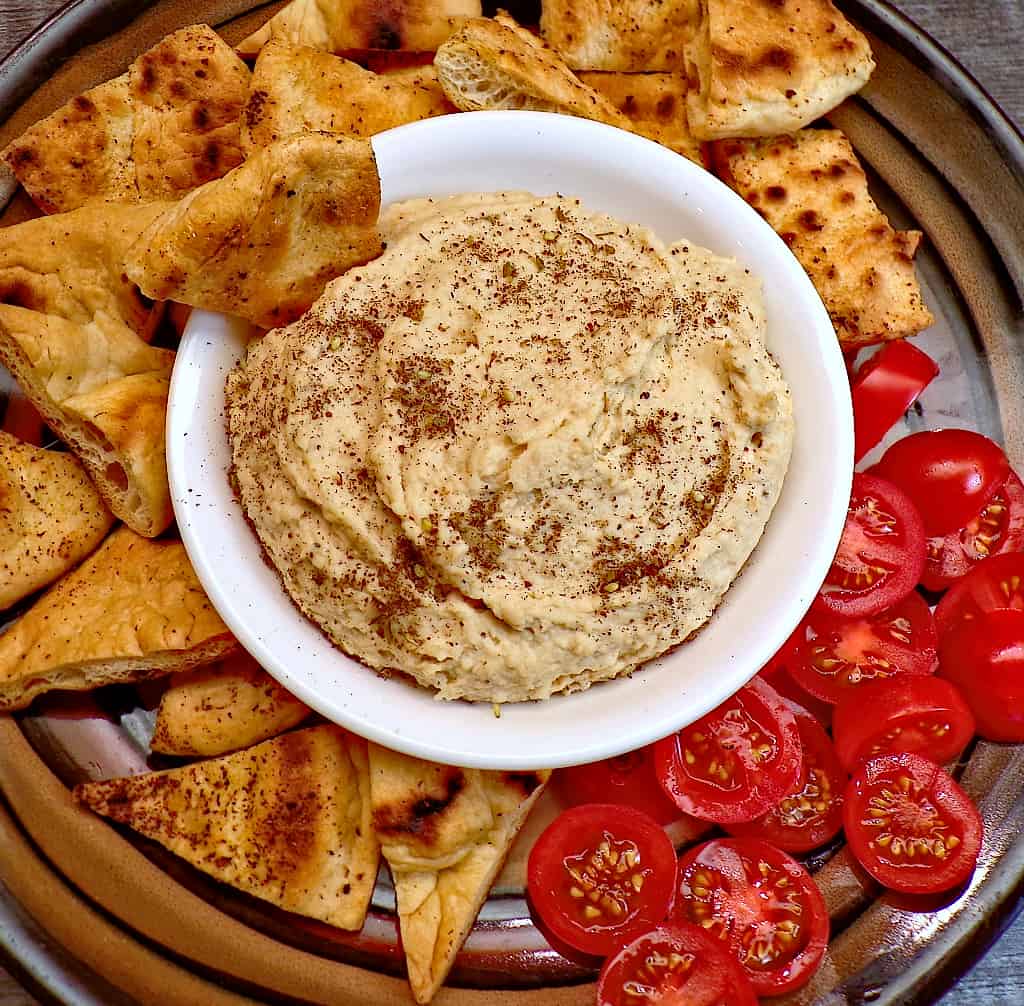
526,449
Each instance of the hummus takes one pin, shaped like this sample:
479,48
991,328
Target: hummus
526,449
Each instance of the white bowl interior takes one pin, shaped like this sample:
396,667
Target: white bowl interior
635,180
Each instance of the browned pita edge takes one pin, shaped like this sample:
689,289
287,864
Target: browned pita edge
264,240
492,64
223,708
340,25
628,35
445,833
133,610
51,517
811,188
654,103
761,69
298,89
287,821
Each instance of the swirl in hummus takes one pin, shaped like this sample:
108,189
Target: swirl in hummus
526,449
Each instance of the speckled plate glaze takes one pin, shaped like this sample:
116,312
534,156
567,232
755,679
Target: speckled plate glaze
89,914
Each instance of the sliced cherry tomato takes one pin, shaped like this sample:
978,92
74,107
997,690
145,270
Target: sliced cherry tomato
984,658
761,903
675,965
629,779
910,825
600,875
778,673
884,388
839,655
735,763
881,553
993,585
922,714
998,529
949,474
812,814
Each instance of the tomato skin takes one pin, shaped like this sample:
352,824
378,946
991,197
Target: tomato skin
778,674
922,714
743,888
993,585
949,474
624,910
714,978
729,779
881,553
944,816
884,388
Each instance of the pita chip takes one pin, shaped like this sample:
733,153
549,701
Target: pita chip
811,188
287,821
630,35
445,833
133,610
264,240
760,69
654,103
492,64
51,517
223,708
297,89
340,25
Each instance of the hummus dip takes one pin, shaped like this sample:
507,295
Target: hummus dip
526,449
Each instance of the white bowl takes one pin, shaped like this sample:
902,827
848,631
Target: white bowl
635,180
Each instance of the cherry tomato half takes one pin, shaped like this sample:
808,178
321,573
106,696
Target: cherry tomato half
949,474
921,714
778,673
761,903
675,965
600,875
839,655
735,763
812,814
993,585
881,553
910,825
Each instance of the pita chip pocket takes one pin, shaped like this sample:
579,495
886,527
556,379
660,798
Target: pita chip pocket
133,610
287,821
628,35
491,64
297,89
760,69
340,25
811,188
51,517
654,103
223,708
262,241
445,833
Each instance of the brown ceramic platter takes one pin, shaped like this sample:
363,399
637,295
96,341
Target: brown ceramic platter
90,914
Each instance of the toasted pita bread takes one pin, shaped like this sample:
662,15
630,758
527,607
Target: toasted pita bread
264,240
491,64
223,708
811,188
654,103
620,34
133,610
51,517
297,89
445,833
287,821
760,69
340,25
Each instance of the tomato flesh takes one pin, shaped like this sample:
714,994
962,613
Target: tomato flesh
736,762
674,965
600,875
881,553
910,825
993,585
762,904
925,715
